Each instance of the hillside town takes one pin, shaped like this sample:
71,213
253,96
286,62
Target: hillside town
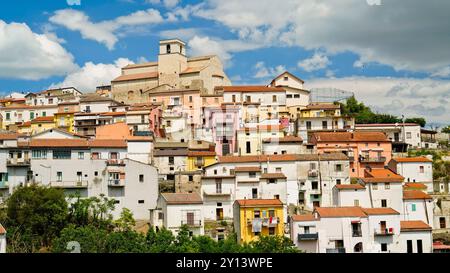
177,144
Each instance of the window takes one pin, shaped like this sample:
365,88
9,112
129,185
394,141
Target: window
314,185
308,125
384,247
142,118
141,178
80,155
271,213
254,193
252,174
296,96
274,98
383,203
356,202
408,135
271,230
44,114
31,115
191,178
286,78
113,155
338,181
257,213
278,170
218,185
88,107
421,169
271,181
171,160
95,173
419,246
233,98
140,201
59,176
289,96
324,124
338,167
8,116
312,166
413,207
190,98
215,171
61,154
442,222
387,186
375,186
248,147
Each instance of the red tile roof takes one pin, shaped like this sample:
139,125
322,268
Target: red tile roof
182,198
77,143
350,187
414,186
413,226
248,169
201,153
386,124
282,157
48,119
137,76
350,137
381,180
412,159
273,176
322,106
9,136
251,88
259,202
303,218
415,194
382,173
331,212
263,128
380,211
286,139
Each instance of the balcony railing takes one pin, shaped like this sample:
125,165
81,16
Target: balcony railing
356,233
18,162
192,223
313,173
4,184
266,222
115,162
116,182
308,236
69,184
380,159
336,250
218,193
384,232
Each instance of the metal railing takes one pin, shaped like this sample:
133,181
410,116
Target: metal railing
192,223
69,184
18,161
308,236
116,182
313,173
336,250
356,233
372,159
384,232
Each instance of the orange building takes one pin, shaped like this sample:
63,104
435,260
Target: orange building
364,149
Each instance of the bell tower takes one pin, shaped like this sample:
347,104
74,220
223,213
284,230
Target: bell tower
172,61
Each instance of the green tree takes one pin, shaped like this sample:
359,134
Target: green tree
126,221
273,244
127,241
38,213
160,241
446,129
421,121
90,238
95,211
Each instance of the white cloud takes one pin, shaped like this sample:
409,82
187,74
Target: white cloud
316,62
397,96
166,3
91,75
407,36
105,32
31,56
74,2
443,72
265,72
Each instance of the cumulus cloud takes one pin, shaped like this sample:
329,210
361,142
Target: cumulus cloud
264,72
91,75
407,36
74,2
408,96
166,3
105,32
31,56
317,62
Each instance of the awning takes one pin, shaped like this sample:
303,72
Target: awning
356,222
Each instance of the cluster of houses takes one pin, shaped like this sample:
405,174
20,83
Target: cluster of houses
177,144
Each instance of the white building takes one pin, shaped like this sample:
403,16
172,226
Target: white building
356,229
414,169
177,209
284,145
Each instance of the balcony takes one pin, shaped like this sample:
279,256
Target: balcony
17,162
380,159
265,221
356,233
336,250
384,232
69,184
115,162
313,173
308,236
116,182
4,184
218,193
192,223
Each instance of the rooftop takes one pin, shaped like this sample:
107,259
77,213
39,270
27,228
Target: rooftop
182,198
412,159
413,226
259,202
350,187
350,137
286,139
415,194
331,212
303,218
250,88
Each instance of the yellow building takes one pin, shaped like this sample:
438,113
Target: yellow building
24,128
65,121
321,110
41,124
197,160
250,139
254,217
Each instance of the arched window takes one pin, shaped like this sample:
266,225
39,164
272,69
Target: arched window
168,48
358,247
130,95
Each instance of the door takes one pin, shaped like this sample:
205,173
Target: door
383,226
396,137
409,248
254,193
190,218
225,149
419,246
316,204
79,176
442,222
219,213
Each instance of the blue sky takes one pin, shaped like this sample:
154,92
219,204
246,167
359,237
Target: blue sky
393,54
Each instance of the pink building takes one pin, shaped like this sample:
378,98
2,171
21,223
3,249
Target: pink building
223,121
364,149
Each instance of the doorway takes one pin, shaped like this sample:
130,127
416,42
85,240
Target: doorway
219,214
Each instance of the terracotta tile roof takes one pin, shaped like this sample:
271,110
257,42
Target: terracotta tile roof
140,65
160,145
93,97
25,124
440,245
350,187
285,139
273,176
380,211
350,137
201,153
282,157
318,106
386,124
247,169
22,106
303,218
259,202
251,88
412,159
413,225
9,136
263,128
182,198
110,143
170,152
77,143
193,69
2,230
381,180
331,212
137,76
289,73
218,176
382,173
113,114
48,119
414,186
415,194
